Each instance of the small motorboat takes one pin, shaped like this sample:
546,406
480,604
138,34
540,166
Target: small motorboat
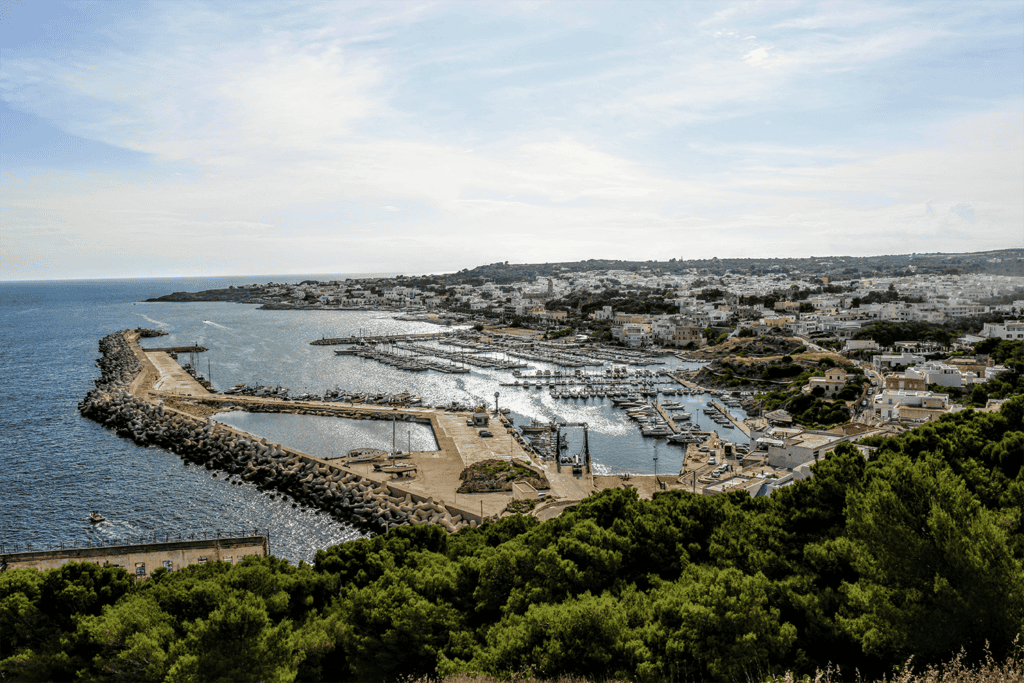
96,517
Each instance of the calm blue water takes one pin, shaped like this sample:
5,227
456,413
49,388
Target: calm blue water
57,466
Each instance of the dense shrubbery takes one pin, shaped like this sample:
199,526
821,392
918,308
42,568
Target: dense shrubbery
916,551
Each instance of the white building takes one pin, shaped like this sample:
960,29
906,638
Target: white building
1010,329
936,372
790,448
860,345
634,334
910,405
889,361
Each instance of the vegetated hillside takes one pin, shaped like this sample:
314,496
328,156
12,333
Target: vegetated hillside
776,369
917,551
997,262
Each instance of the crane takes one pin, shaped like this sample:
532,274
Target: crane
577,463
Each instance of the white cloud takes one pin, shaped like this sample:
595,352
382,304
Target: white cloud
322,130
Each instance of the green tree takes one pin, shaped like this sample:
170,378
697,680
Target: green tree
131,639
714,624
936,570
237,642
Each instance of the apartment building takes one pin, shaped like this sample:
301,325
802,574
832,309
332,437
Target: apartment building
1010,329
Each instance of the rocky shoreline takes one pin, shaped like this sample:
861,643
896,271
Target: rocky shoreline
372,506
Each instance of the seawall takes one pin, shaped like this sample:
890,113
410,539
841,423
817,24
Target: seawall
371,505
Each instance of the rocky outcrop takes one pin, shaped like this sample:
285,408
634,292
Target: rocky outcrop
498,475
371,505
146,332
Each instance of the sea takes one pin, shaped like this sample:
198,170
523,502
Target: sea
58,466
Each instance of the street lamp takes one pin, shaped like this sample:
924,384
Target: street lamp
496,395
656,484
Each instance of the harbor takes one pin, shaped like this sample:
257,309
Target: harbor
437,473
579,417
543,445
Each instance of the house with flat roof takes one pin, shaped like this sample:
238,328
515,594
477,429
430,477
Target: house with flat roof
801,448
1009,329
887,361
894,404
908,380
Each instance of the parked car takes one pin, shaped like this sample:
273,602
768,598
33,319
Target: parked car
485,434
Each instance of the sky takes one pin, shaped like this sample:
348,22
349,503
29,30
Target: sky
149,139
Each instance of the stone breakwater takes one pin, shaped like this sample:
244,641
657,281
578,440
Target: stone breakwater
371,505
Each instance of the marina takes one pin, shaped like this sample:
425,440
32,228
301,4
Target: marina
267,354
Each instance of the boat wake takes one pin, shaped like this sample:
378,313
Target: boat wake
155,322
210,322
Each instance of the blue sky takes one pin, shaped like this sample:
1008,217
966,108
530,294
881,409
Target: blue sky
192,138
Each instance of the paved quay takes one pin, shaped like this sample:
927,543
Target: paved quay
173,379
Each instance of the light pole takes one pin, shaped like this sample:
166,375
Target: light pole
496,395
656,484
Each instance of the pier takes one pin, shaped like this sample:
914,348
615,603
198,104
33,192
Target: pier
179,349
380,339
739,424
664,415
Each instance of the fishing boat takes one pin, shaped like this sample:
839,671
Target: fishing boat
366,455
534,427
95,517
395,468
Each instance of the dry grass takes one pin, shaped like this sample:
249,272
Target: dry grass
955,671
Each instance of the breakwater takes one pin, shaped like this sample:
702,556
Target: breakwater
371,505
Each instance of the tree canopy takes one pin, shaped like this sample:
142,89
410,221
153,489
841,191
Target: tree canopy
915,550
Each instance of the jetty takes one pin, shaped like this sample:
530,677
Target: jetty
665,416
739,424
379,339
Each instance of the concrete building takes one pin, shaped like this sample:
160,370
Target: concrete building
910,405
790,448
908,380
686,333
141,560
1010,329
634,334
860,345
936,372
889,361
833,382
553,316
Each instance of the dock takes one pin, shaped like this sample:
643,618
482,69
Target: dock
380,339
172,378
739,424
665,416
